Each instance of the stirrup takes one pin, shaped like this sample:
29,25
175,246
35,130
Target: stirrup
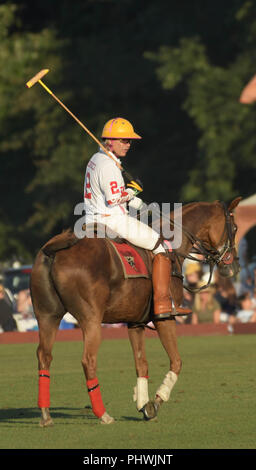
180,311
176,312
162,316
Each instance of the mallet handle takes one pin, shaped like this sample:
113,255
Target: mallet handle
37,78
86,130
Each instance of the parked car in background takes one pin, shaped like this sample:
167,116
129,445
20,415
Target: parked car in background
17,279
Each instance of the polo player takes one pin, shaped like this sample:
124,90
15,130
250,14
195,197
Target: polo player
106,199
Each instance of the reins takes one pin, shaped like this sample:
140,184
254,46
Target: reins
212,256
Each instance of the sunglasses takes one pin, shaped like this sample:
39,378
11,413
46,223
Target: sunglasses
125,141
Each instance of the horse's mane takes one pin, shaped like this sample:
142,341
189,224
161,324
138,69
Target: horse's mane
200,210
200,206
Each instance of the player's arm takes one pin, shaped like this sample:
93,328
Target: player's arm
112,185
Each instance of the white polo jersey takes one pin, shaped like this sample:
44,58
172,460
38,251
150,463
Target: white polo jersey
105,194
104,187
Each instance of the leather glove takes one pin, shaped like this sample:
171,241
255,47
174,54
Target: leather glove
135,187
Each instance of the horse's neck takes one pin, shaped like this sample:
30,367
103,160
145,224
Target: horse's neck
195,218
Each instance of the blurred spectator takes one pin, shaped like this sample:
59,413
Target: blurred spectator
254,298
25,317
252,270
24,303
7,322
245,279
206,309
246,313
226,296
9,297
192,274
188,300
243,254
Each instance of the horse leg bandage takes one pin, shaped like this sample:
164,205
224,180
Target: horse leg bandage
141,392
44,389
95,396
165,389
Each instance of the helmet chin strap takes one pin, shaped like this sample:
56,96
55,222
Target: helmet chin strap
109,147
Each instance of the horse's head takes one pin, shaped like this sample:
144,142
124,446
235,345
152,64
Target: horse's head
221,235
209,230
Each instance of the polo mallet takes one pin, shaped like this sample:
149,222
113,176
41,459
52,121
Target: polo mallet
37,79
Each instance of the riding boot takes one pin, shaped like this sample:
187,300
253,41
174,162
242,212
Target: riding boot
161,277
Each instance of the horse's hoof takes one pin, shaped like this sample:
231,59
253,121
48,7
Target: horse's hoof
149,411
45,422
106,419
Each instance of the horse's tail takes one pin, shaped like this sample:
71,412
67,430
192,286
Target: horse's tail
62,241
44,292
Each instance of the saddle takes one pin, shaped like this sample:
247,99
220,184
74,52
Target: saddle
136,262
121,245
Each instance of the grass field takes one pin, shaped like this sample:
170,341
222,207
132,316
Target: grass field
212,405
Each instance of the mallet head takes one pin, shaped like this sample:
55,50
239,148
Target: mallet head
36,78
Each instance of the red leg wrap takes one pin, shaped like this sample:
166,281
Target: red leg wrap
95,397
44,389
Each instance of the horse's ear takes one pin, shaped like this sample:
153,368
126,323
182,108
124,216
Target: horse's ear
234,203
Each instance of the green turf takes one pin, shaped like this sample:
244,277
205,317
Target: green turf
212,405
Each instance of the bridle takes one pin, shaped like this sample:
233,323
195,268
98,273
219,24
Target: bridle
212,256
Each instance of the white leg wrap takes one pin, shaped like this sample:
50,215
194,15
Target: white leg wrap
141,392
165,389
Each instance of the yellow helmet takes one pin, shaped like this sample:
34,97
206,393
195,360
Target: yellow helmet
119,128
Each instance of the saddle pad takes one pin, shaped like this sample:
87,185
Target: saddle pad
132,263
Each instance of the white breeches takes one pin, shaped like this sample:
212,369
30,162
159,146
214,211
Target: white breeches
133,230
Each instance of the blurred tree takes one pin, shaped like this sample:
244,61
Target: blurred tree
224,163
28,128
198,142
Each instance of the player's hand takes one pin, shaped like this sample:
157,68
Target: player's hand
137,189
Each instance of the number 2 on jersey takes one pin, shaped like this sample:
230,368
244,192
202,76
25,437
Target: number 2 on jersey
114,187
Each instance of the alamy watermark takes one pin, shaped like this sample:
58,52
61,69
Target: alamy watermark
140,227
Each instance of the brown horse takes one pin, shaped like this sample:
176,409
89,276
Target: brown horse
84,277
